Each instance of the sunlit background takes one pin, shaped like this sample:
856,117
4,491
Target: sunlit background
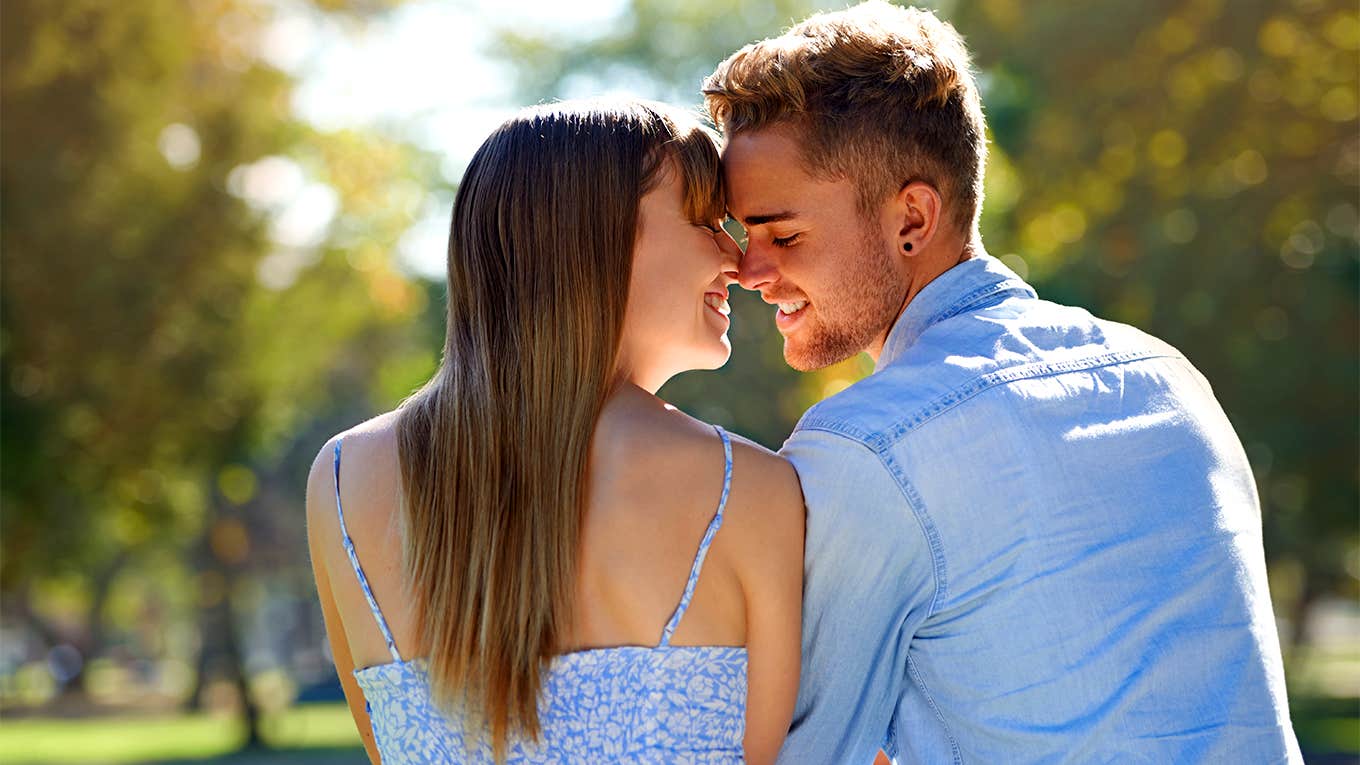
223,226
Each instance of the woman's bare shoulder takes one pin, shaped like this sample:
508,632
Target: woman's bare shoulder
681,457
369,476
672,448
765,469
656,459
766,503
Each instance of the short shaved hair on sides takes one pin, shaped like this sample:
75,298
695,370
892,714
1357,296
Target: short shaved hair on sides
877,94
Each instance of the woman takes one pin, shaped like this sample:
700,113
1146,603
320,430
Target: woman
533,522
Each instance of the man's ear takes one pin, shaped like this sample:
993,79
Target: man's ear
917,208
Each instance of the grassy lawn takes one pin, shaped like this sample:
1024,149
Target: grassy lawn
1328,726
310,733
317,734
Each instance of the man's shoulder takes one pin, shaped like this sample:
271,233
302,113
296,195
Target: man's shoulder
962,356
864,411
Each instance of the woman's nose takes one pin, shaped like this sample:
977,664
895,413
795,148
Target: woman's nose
731,253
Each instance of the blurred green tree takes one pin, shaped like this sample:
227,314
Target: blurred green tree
1187,166
159,207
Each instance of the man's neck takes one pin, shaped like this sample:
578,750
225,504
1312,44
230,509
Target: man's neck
929,271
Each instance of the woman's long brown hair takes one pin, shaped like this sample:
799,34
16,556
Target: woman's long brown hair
494,449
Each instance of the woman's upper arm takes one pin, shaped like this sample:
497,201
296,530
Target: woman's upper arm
770,522
323,533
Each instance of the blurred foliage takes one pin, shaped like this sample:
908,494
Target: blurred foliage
190,273
1187,166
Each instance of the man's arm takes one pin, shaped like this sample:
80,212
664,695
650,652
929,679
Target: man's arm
869,582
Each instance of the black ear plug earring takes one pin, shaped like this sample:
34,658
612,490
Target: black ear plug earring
906,247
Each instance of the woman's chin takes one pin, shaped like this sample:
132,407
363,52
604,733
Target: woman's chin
707,359
715,358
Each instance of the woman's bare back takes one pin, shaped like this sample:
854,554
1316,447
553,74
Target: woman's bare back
656,477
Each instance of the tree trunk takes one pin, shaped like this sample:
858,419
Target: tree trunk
1299,612
236,658
96,634
220,650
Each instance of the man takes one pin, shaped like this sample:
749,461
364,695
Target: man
1032,535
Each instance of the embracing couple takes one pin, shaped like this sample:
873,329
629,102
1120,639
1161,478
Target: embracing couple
1030,535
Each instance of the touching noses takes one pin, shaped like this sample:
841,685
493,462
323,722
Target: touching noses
731,256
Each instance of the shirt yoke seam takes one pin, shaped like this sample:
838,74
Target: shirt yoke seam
1004,290
985,382
971,300
882,439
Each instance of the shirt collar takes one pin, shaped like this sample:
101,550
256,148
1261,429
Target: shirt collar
966,285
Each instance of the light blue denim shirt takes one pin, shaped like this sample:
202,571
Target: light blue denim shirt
1032,536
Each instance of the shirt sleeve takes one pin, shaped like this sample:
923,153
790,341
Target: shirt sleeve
869,583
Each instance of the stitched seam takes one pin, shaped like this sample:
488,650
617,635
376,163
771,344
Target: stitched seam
975,297
990,380
885,438
836,427
938,568
921,686
913,500
890,744
932,535
1006,288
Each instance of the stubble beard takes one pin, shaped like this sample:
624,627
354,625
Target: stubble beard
865,308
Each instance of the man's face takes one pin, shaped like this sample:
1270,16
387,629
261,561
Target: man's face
833,274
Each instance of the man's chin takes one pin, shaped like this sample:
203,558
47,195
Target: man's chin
810,359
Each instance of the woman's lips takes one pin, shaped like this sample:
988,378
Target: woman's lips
718,302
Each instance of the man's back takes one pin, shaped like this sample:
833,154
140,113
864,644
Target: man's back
1032,535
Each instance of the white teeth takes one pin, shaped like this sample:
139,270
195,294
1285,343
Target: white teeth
719,302
792,308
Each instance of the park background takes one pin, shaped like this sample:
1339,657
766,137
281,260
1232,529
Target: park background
223,226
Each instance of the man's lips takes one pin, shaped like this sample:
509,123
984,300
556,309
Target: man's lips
786,320
791,310
788,304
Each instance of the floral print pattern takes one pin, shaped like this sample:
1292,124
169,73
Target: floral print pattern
635,704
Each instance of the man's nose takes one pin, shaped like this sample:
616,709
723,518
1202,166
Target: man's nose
757,268
731,252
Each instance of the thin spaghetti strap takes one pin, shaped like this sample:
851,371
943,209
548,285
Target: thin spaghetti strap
358,570
704,543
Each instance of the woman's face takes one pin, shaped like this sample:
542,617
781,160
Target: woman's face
677,315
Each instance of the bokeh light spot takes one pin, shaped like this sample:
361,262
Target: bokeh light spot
180,146
1167,148
237,483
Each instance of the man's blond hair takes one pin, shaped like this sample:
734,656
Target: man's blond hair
878,95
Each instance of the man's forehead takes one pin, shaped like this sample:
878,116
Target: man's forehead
767,180
773,146
764,173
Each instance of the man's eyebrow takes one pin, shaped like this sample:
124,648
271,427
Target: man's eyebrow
756,220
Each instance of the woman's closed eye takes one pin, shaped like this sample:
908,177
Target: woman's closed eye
785,241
